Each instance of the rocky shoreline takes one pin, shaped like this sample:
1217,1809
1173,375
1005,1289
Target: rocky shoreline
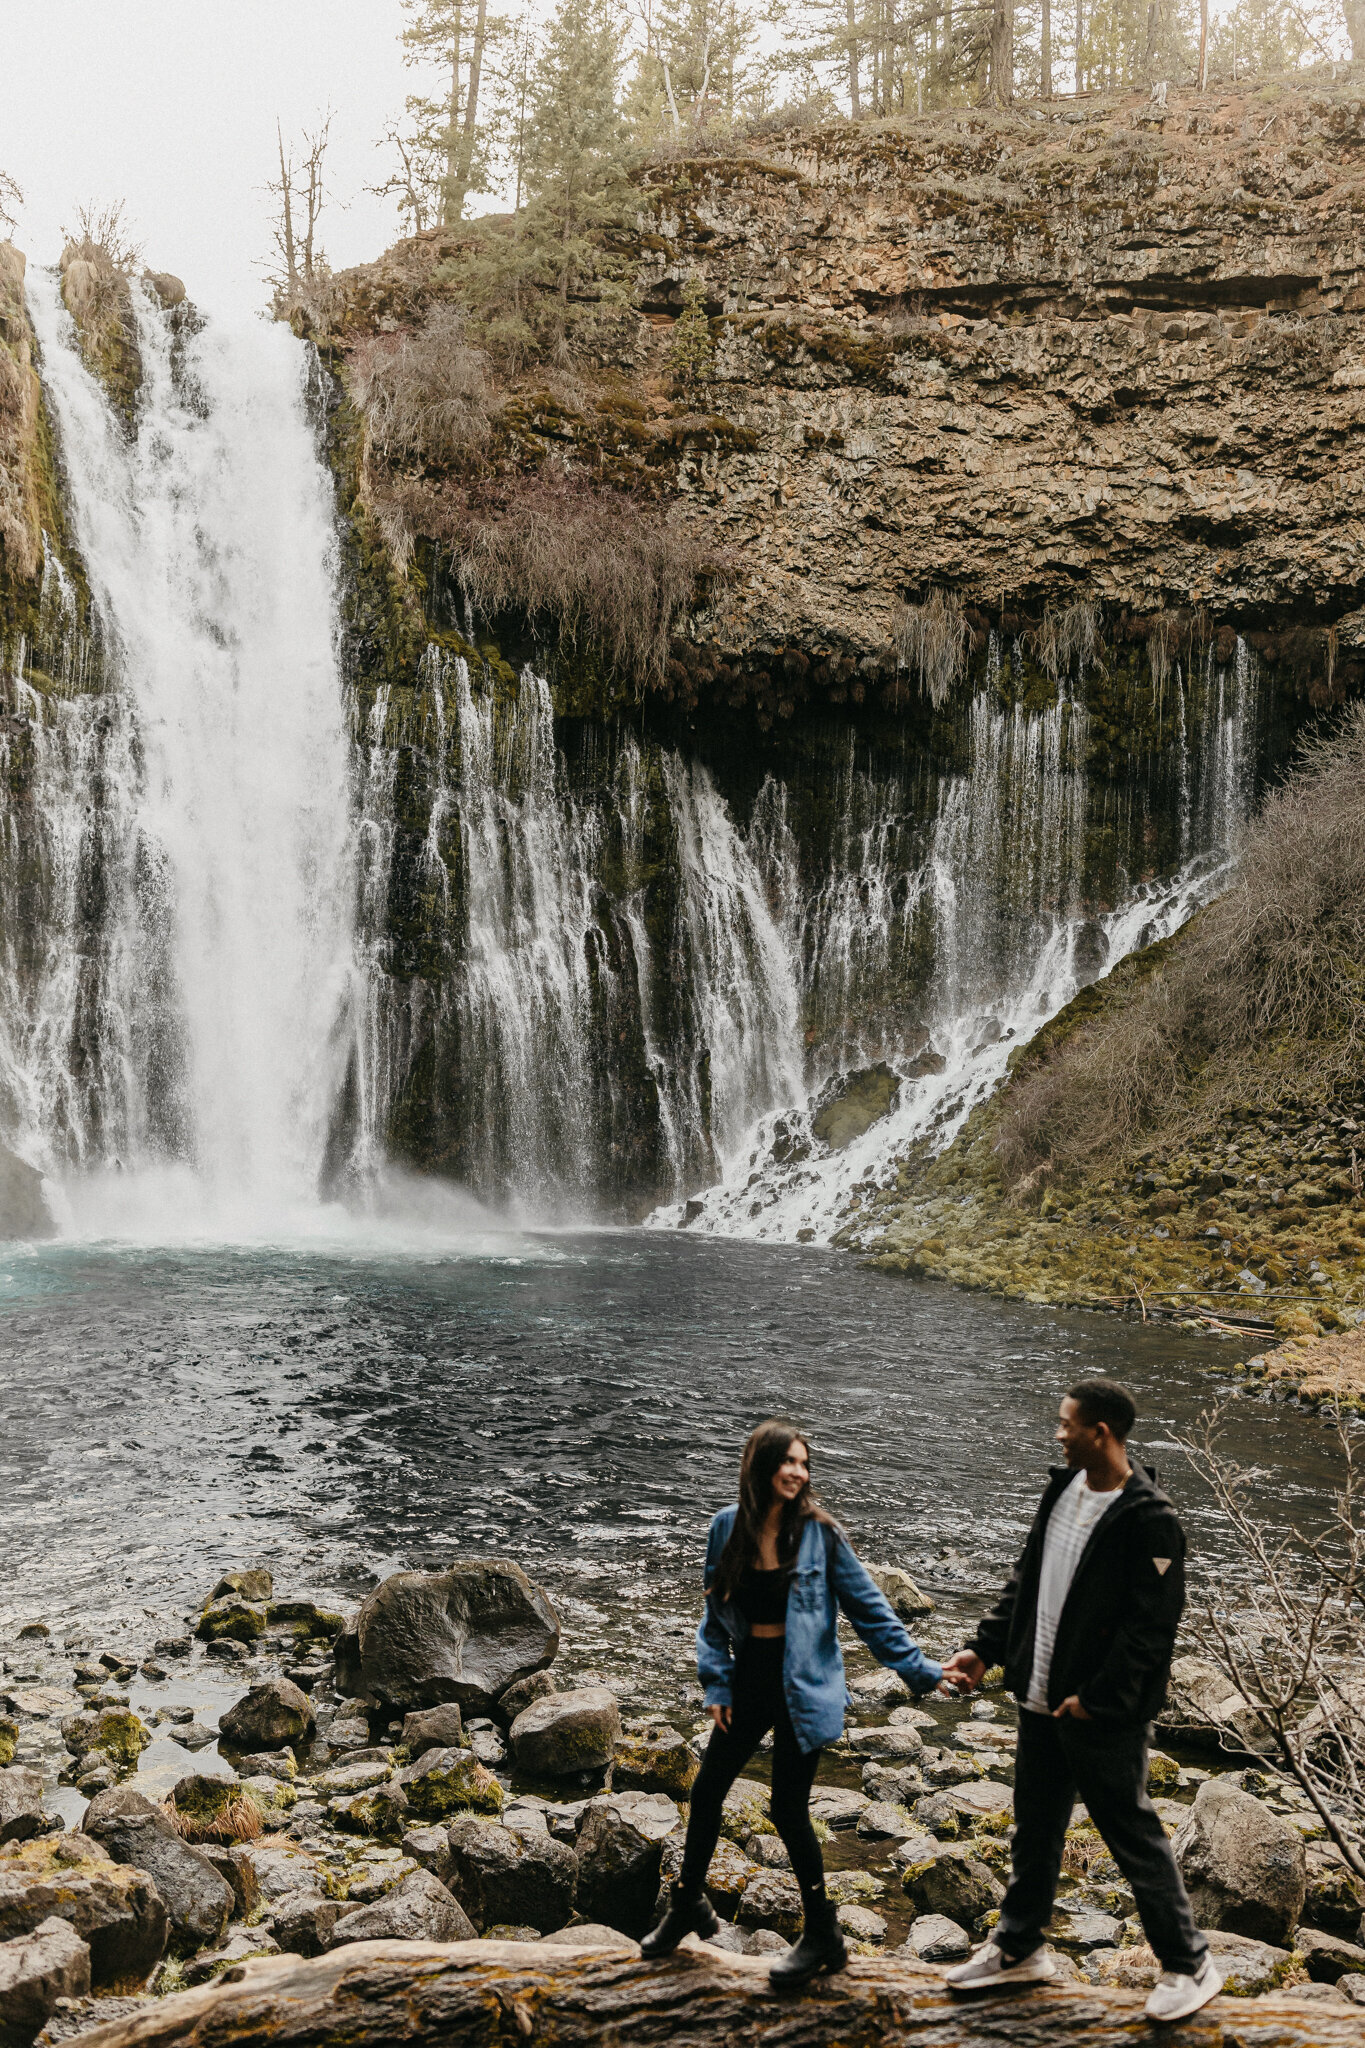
419,1775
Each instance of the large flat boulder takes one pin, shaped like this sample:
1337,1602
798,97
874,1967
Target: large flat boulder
465,1634
35,1971
116,1910
198,1901
620,1843
1244,1868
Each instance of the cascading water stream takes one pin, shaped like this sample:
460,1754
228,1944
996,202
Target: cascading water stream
220,1018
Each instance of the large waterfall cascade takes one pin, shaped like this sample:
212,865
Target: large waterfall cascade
187,1036
256,926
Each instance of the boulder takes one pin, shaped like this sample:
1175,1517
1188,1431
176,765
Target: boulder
895,1743
902,1784
934,1939
952,1882
1335,1898
745,1811
232,1620
908,1603
21,1804
1244,1867
192,1735
240,1948
253,1584
305,1621
955,1809
772,1900
586,1934
198,1901
302,1922
519,1696
116,1732
35,1971
567,1732
620,1844
838,1806
213,1809
465,1635
23,1206
430,1846
419,1909
270,1763
351,1777
273,1715
278,1869
881,1821
1248,1967
731,1871
1205,1709
518,1876
1327,1955
655,1759
854,1103
117,1911
381,1813
446,1781
860,1923
238,1873
9,1740
433,1728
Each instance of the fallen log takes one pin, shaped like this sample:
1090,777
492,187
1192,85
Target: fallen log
506,1994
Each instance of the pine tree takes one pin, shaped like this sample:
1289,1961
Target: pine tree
455,37
577,169
691,356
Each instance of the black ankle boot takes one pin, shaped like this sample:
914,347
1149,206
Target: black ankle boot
694,1915
819,1952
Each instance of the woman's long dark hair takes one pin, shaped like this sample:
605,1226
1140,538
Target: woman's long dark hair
764,1455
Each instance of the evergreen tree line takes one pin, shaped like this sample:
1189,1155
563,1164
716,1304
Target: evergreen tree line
551,116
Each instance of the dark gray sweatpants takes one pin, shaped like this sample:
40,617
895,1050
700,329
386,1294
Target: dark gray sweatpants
1106,1766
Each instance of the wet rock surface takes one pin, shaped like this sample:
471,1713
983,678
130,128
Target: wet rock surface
464,1635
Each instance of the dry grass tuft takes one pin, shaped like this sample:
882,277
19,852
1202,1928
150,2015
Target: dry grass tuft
599,569
237,1820
425,396
1279,961
1068,639
932,639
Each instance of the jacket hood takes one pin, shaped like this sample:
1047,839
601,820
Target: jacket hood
1140,1489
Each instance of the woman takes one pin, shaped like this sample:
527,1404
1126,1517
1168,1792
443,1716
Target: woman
778,1568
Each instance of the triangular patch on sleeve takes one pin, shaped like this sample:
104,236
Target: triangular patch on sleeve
1163,1565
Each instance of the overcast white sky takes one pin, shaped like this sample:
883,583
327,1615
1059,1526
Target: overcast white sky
170,105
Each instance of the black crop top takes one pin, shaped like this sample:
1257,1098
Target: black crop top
761,1597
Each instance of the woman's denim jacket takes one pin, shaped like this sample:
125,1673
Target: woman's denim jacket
825,1577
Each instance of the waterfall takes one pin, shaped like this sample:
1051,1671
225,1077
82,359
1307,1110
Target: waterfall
203,796
995,912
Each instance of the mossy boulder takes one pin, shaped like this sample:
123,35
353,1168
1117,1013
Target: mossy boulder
381,1812
953,1882
1163,1773
306,1620
9,1740
115,1909
856,1103
446,1781
745,1811
567,1733
215,1809
116,1732
654,1759
232,1617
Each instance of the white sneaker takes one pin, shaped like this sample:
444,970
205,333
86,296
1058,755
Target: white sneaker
1176,1997
989,1967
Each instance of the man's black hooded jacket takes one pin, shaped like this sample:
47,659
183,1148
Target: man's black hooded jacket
1116,1635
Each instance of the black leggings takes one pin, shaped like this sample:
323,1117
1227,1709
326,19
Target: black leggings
759,1704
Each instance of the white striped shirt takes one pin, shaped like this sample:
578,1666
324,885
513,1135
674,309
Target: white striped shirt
1074,1514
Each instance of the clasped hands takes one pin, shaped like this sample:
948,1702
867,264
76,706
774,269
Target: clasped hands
964,1671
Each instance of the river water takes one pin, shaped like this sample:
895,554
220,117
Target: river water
577,1402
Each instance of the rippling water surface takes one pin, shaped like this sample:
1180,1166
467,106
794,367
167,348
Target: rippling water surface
575,1401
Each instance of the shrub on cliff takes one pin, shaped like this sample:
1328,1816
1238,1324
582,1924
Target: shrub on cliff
1278,962
424,396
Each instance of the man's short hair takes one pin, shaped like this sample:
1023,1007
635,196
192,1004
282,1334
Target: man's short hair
1104,1401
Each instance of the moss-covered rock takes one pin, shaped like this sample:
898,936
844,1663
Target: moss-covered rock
116,1732
235,1618
9,1740
446,1781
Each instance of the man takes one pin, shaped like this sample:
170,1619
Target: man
1085,1630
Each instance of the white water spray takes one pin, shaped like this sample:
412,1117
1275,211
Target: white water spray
207,535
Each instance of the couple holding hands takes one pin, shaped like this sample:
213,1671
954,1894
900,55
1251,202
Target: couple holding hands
1085,1631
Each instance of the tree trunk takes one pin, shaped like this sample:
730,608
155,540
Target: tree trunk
291,267
1203,43
449,214
1002,51
1354,12
1047,49
854,103
505,1994
471,109
1080,42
